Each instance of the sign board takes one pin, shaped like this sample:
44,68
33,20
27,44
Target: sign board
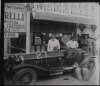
14,21
11,35
84,10
37,41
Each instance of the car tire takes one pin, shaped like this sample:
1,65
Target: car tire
6,72
25,76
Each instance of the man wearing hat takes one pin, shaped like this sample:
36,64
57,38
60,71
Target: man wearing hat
53,44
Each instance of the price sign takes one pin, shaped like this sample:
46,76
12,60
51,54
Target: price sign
14,21
11,35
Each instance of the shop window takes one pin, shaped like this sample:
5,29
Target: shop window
18,45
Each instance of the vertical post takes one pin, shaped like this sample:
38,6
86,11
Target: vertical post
98,41
28,32
76,32
9,43
5,47
97,31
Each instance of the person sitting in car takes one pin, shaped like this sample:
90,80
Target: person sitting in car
53,44
64,40
72,43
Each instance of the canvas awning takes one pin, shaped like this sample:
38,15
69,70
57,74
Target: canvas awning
62,18
40,24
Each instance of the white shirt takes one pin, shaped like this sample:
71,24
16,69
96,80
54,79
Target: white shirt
72,44
53,43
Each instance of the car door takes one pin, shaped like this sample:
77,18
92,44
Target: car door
54,59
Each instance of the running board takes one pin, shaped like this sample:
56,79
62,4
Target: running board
60,71
57,73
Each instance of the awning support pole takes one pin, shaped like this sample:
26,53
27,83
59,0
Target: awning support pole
28,33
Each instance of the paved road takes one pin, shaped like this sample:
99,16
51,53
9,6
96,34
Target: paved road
59,79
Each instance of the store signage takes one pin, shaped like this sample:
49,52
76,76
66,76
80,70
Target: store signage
14,21
86,10
11,35
16,6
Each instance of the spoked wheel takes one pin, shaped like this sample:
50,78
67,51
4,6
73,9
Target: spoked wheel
91,66
25,76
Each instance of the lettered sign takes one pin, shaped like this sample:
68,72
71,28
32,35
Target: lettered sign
14,21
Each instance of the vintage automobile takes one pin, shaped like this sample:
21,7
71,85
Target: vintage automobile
23,69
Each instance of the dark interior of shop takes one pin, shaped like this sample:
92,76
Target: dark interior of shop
41,29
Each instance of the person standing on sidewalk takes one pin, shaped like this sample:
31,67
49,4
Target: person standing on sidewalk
90,45
53,44
85,46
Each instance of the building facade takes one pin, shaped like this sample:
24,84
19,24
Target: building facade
27,26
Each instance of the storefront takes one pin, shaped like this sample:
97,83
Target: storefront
41,31
47,18
14,29
42,19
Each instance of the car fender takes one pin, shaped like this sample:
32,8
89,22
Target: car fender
39,70
29,65
87,59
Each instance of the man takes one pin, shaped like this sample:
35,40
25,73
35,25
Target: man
53,44
79,41
65,38
90,45
85,44
72,43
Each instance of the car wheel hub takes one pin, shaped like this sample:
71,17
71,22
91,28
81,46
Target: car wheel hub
26,79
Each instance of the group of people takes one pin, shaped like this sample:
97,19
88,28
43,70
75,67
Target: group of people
54,44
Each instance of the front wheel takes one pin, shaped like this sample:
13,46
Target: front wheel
25,76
